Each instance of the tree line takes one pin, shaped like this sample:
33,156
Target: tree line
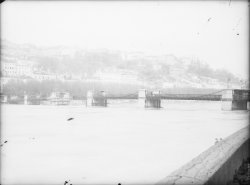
78,89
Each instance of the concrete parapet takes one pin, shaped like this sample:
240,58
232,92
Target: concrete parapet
216,165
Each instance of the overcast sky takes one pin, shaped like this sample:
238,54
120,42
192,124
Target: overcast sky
216,32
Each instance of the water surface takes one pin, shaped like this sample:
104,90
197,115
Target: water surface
122,143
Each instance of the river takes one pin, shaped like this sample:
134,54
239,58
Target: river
122,143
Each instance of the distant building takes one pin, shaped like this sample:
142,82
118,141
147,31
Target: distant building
133,55
129,77
13,69
43,76
121,76
177,70
110,76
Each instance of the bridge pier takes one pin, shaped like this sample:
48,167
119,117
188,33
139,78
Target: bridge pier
235,99
4,98
149,99
25,100
96,99
59,98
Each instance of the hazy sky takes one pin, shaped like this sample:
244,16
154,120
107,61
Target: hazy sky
216,32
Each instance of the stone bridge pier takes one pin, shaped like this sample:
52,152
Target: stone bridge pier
235,99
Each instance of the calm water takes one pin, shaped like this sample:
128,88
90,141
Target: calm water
121,143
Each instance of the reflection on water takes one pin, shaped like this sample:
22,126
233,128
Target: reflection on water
122,143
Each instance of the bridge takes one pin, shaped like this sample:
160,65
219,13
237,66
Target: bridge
231,99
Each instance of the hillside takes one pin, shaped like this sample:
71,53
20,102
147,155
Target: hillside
104,66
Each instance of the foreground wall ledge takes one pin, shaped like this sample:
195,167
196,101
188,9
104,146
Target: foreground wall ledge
216,165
